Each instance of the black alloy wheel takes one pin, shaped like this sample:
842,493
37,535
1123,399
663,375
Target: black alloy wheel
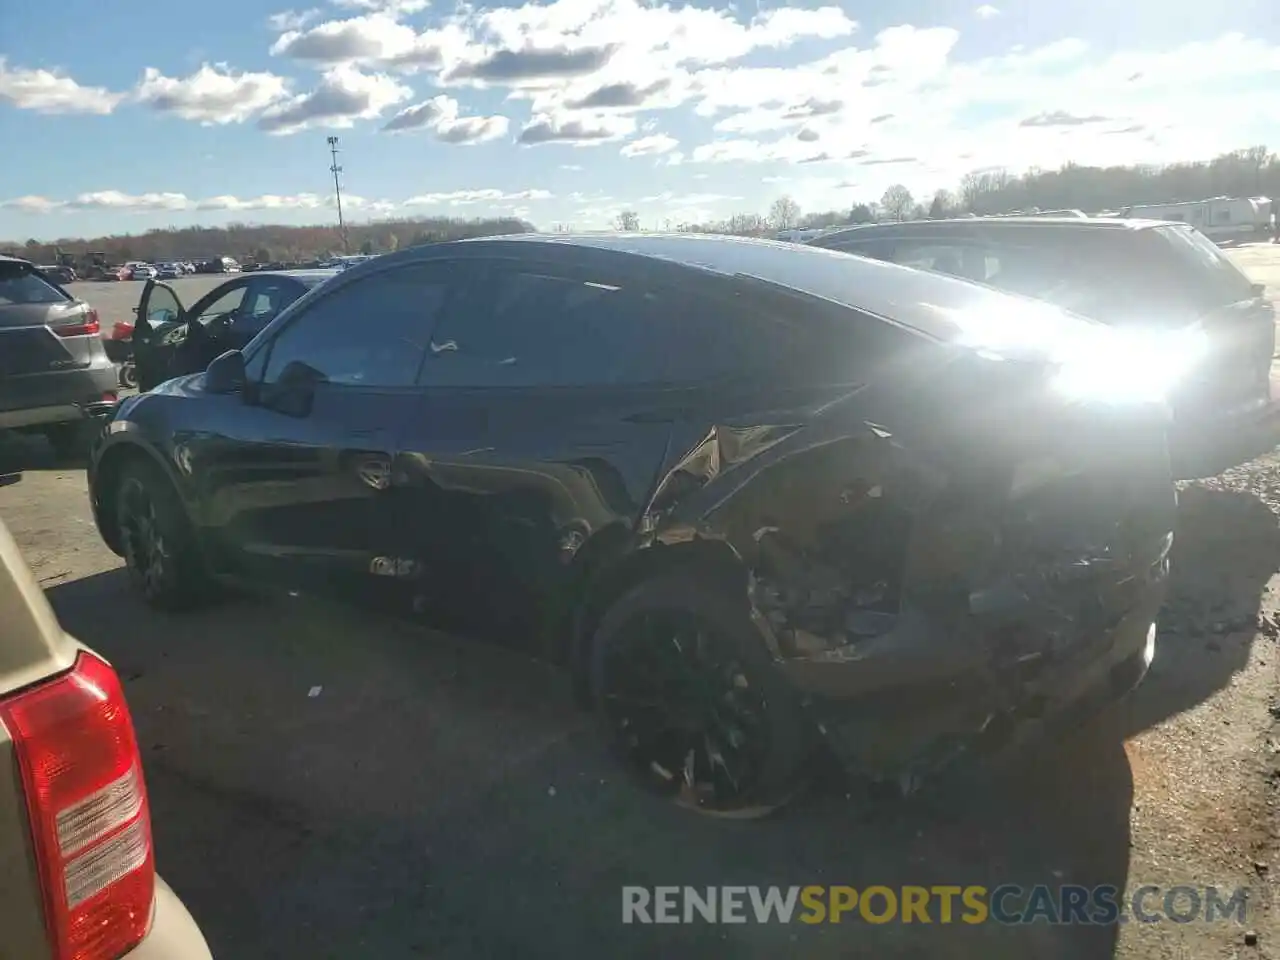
146,550
696,712
156,540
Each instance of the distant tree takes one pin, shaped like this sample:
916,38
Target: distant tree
861,213
366,248
743,225
941,206
393,242
897,202
784,214
263,255
628,220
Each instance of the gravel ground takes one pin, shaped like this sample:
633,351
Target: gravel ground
441,798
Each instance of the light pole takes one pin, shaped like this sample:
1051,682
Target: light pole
337,190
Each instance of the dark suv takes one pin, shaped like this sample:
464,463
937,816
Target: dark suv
755,494
1143,275
55,377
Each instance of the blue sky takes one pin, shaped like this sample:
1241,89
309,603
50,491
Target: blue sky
121,119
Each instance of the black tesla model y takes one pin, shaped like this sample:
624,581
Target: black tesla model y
761,499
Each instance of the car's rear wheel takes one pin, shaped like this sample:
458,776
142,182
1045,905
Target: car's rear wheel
156,539
69,440
689,699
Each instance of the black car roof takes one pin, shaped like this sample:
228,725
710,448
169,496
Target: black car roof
308,278
937,305
987,225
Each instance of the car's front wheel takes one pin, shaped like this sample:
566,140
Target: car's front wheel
156,539
689,699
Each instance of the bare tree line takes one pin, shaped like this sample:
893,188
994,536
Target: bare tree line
265,242
1251,172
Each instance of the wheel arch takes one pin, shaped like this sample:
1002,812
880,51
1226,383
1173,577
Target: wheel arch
109,468
621,572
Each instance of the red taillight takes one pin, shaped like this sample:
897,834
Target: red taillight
91,325
87,803
121,330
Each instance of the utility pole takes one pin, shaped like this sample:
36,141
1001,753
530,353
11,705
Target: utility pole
337,190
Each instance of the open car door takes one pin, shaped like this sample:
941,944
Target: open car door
158,331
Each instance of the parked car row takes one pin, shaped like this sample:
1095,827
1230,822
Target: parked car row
761,499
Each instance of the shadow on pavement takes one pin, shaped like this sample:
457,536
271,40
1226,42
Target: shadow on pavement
19,452
444,799
1226,549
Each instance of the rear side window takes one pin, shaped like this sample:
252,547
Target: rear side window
525,329
19,284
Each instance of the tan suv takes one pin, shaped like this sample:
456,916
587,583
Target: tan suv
77,867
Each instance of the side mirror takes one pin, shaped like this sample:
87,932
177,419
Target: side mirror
1259,289
225,374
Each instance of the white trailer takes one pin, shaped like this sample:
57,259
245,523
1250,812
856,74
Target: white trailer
1220,218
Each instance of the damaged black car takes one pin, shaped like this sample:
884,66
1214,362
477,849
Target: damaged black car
763,500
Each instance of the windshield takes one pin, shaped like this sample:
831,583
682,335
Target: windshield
19,284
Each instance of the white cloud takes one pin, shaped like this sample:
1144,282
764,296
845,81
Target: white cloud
459,198
393,7
343,96
986,12
375,39
440,115
293,19
32,204
650,146
116,200
46,91
268,201
146,202
213,94
580,130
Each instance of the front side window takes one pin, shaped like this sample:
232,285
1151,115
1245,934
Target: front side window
372,333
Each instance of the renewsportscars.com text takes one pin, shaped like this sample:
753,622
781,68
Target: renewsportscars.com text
1005,904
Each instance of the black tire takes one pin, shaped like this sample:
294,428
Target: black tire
128,375
70,441
709,693
157,541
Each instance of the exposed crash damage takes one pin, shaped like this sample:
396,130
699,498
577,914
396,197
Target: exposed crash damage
924,614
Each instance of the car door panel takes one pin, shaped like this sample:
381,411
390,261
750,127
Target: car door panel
295,500
296,492
503,488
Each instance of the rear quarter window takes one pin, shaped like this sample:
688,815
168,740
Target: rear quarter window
19,284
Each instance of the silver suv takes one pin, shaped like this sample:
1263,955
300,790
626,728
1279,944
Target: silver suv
55,377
